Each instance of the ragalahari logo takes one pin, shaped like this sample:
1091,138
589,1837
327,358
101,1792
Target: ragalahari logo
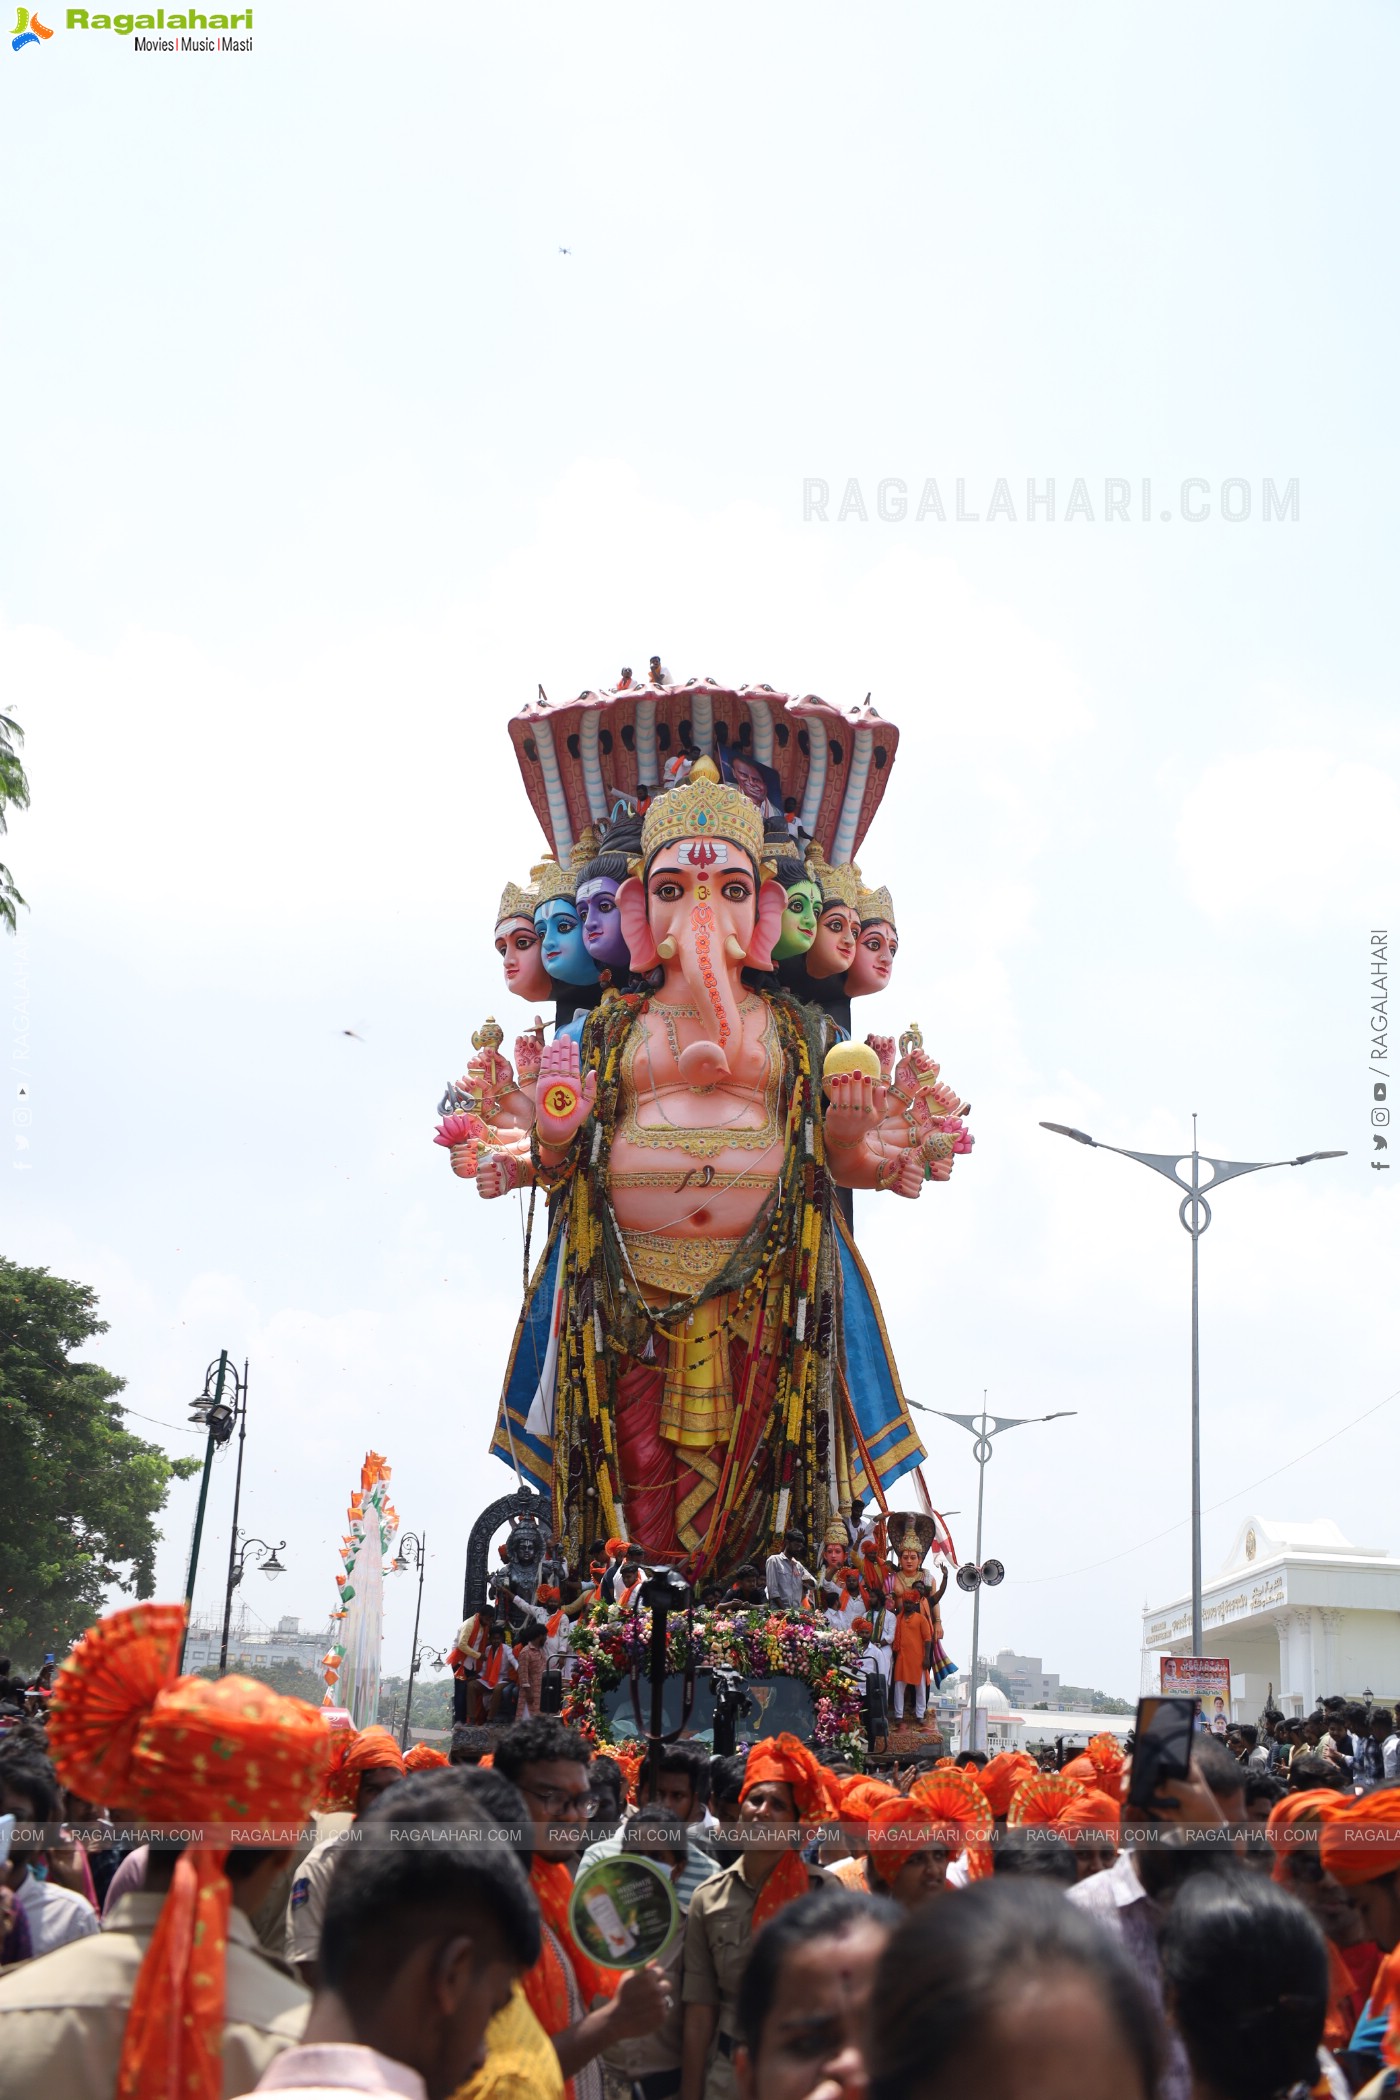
28,29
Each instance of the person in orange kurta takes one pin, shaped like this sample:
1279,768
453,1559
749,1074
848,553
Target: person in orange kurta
913,1652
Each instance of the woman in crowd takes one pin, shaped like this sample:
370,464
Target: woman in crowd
1008,1991
805,1998
1245,1970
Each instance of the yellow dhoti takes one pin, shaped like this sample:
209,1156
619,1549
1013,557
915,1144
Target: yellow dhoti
697,1406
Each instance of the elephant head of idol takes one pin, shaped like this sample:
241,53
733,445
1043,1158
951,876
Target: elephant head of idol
703,905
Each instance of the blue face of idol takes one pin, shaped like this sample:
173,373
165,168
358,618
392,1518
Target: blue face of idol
561,942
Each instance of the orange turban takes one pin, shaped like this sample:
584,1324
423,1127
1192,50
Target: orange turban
785,1760
1360,1837
1054,1801
1039,1802
358,1750
918,1828
1301,1808
125,1731
858,1794
859,1797
950,1796
424,1758
1092,1811
1000,1778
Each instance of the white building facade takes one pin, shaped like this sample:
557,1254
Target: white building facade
1004,1728
251,1643
1296,1607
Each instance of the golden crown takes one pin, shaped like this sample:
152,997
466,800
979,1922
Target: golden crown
516,903
837,885
703,808
875,904
551,880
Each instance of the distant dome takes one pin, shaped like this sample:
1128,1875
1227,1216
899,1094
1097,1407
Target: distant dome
992,1699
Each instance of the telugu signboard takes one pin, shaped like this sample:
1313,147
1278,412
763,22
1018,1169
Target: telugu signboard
1204,1678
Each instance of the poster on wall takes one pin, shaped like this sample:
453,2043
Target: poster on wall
1204,1678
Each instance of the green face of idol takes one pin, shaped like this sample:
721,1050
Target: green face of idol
804,903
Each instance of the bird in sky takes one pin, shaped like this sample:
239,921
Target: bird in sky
566,251
350,1032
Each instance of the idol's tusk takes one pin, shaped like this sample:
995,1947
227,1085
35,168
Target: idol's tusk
734,947
666,949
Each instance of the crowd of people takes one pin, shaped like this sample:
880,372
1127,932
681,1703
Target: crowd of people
210,1891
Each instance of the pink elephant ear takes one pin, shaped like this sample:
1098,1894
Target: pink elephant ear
772,903
632,910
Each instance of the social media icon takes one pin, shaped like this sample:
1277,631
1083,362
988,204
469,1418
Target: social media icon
1379,1143
1380,1115
1378,1091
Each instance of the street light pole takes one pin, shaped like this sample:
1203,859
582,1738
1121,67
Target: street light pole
412,1552
982,1429
240,1409
238,1560
212,1413
1194,1213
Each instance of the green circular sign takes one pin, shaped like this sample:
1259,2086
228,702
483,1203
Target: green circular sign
623,1912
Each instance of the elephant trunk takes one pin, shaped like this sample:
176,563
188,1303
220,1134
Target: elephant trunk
707,971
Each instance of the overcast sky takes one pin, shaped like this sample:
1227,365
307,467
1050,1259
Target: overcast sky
318,455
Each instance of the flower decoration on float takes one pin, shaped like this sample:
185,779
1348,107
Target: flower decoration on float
606,1643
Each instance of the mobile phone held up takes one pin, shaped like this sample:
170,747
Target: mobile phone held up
1163,1734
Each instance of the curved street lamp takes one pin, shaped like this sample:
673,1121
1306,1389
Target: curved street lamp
270,1566
412,1553
1194,1213
218,1409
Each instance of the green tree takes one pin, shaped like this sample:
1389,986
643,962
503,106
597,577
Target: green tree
432,1702
14,787
81,1492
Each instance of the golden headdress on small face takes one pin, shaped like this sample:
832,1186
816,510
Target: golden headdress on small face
910,1531
703,808
837,885
875,904
550,880
516,903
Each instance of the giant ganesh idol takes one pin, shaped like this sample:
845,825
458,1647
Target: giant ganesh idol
701,1362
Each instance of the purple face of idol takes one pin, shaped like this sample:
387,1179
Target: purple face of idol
602,928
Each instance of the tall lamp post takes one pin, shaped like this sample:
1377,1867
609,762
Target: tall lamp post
982,1428
412,1553
1194,1213
240,1410
271,1566
216,1415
